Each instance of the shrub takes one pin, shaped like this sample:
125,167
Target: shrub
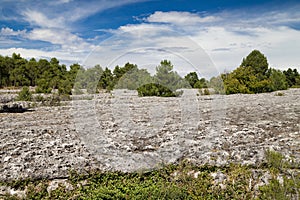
39,89
154,89
275,160
24,95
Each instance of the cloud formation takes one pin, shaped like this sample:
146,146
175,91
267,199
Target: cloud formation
225,36
179,18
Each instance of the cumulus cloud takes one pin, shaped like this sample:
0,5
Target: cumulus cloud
67,40
10,32
231,36
185,38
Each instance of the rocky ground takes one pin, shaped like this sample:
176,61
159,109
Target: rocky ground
121,131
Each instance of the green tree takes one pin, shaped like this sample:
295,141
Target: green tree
166,77
72,73
292,77
278,80
106,80
133,79
65,87
192,78
32,71
258,62
18,75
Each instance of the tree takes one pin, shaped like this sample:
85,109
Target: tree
106,80
32,71
133,79
292,77
217,84
166,77
278,80
18,75
192,78
253,76
258,62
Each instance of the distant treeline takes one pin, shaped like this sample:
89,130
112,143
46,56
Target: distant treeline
253,76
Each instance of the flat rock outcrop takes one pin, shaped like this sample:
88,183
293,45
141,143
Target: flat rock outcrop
121,131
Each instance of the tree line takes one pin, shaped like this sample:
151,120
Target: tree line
252,76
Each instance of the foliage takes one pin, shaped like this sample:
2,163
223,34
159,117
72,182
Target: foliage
167,182
25,94
278,80
292,77
154,89
289,187
254,76
166,77
257,62
133,78
194,81
217,84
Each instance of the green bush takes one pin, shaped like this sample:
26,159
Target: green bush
275,160
154,89
39,89
289,189
25,94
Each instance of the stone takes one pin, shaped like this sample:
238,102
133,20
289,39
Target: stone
130,133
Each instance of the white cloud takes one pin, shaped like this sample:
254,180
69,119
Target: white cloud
227,47
183,37
10,32
39,19
67,40
180,18
231,36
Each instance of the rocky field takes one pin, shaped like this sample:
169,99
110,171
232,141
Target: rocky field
121,131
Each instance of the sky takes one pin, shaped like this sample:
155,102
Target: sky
209,37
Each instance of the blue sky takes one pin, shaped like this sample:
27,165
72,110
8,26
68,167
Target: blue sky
218,34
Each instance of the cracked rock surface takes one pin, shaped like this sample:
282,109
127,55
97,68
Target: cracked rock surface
121,131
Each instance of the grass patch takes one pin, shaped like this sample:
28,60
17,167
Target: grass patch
181,181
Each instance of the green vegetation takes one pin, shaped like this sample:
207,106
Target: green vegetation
181,181
154,89
255,76
194,81
252,76
285,182
25,94
166,82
